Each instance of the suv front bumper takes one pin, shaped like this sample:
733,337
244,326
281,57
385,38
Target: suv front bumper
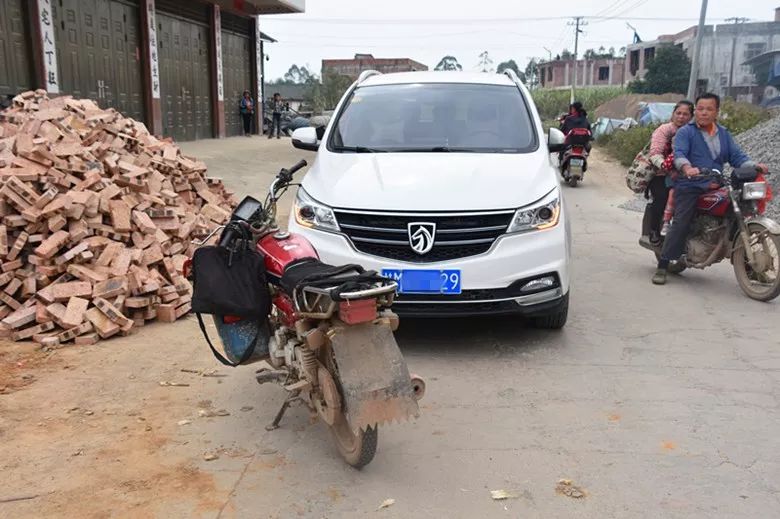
490,282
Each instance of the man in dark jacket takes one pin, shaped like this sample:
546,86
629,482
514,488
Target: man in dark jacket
702,143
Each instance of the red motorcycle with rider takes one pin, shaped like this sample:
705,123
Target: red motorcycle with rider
573,160
719,216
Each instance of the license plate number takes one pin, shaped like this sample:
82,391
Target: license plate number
425,281
576,162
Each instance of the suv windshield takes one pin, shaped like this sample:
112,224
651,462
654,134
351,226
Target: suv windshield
434,117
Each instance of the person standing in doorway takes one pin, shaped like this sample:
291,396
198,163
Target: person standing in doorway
276,106
247,108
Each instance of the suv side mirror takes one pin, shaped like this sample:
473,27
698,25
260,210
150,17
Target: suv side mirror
306,139
555,140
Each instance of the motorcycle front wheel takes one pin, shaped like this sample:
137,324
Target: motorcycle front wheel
762,280
357,449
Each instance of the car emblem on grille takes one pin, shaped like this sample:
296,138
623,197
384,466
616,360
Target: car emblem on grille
421,236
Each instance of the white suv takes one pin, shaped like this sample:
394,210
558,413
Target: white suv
443,181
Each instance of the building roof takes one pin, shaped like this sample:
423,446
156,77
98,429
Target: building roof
761,57
399,78
289,92
271,6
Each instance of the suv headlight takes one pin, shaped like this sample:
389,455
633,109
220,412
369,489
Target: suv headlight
541,215
310,213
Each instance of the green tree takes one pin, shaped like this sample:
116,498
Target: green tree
667,72
532,74
566,55
325,95
449,63
296,75
485,63
504,65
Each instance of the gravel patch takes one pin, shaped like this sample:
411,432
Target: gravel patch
762,144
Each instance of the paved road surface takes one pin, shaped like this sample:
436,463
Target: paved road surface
658,402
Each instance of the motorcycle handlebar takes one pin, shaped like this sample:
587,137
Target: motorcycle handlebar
227,236
300,165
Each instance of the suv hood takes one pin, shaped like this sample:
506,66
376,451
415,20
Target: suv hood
430,181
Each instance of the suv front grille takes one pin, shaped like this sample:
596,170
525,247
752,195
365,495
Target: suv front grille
457,235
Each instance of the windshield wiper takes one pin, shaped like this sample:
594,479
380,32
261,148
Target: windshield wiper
358,149
435,149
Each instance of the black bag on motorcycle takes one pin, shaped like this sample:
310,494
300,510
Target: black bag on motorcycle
231,285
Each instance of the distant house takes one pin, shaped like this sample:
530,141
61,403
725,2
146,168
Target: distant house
590,73
726,54
293,94
353,67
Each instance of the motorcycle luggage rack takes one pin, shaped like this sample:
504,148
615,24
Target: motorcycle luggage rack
316,303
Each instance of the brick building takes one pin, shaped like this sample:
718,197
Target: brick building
725,50
590,72
179,66
353,67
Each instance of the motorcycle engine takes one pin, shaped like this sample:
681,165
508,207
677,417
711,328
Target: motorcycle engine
705,235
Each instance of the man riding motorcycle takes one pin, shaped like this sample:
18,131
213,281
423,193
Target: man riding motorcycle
705,144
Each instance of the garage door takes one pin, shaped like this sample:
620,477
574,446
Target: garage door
99,58
184,78
15,68
236,67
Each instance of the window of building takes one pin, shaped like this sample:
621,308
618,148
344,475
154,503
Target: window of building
649,55
603,73
754,49
634,62
549,74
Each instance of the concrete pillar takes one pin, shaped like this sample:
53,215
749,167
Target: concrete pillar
217,78
44,46
257,74
592,66
151,67
566,75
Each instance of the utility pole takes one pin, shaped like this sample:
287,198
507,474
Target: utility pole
549,53
697,51
737,21
577,23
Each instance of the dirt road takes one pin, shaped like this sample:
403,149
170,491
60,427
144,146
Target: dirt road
656,401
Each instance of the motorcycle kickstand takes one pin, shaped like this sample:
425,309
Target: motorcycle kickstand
287,402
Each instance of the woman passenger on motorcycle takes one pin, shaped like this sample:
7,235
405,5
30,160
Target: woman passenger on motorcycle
660,151
577,118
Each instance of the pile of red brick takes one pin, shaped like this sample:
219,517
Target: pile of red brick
97,218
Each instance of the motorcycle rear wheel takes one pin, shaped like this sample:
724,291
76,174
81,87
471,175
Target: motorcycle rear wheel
573,181
765,285
357,449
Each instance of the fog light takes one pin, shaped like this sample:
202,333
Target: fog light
539,284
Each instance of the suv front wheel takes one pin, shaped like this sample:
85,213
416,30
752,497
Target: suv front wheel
555,320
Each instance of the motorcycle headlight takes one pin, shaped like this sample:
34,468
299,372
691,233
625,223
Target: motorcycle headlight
544,214
754,191
310,213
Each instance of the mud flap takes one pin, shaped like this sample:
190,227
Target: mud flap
375,381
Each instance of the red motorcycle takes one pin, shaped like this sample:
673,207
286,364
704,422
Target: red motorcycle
574,158
329,337
730,224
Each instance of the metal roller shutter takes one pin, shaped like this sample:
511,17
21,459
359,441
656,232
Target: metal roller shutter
98,53
185,78
15,68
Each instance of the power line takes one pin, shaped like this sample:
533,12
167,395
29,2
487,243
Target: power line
455,21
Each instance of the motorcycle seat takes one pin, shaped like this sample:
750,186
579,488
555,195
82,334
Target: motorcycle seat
313,273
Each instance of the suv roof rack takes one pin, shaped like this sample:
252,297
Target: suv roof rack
511,74
367,74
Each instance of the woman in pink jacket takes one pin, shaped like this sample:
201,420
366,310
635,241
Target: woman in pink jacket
661,157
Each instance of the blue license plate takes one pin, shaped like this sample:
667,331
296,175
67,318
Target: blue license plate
425,281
